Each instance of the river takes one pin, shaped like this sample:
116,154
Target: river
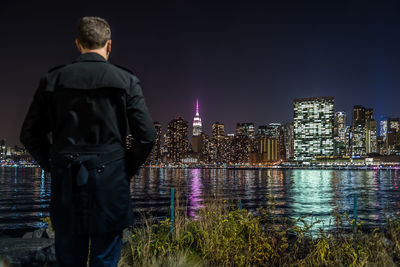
25,193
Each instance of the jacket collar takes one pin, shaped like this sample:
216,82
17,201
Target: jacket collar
90,56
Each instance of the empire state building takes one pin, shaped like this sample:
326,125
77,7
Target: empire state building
196,138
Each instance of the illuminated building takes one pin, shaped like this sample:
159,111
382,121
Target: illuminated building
381,147
313,127
197,121
240,149
155,155
383,126
206,147
245,129
370,134
273,129
281,143
218,130
288,140
358,138
364,128
392,141
3,149
262,129
340,126
129,141
339,133
267,150
347,143
221,143
196,137
243,142
177,143
394,125
190,157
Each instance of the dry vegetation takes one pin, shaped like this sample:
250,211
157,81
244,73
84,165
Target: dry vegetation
222,235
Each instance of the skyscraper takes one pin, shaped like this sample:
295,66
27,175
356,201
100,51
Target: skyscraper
245,129
339,133
363,140
220,141
197,121
155,155
340,126
262,129
288,139
196,137
3,149
177,143
273,129
392,141
313,127
370,132
383,127
218,130
358,144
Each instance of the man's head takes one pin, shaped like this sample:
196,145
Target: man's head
94,35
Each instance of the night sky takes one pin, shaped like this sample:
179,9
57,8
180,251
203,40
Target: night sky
245,61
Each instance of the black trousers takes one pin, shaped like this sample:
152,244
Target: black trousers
73,250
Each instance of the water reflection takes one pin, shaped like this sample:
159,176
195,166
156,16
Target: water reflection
312,194
195,193
25,193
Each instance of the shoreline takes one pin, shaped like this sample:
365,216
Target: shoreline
245,167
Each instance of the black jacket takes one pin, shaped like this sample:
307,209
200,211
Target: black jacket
76,128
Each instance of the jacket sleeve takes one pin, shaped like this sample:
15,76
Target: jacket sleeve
141,126
36,127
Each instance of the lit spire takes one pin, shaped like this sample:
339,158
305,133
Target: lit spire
197,121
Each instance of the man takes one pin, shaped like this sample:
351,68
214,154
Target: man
76,128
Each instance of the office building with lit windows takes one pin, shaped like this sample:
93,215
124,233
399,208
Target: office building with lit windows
221,142
339,127
273,129
177,142
364,132
358,136
245,129
155,154
3,149
313,127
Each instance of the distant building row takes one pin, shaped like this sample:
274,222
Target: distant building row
13,153
316,131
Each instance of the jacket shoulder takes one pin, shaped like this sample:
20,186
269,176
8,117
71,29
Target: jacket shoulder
124,68
56,67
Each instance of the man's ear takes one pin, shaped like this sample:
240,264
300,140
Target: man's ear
109,46
78,45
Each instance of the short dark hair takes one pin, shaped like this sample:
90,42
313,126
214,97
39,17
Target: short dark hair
93,32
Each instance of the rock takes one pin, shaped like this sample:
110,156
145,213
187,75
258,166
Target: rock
28,235
39,233
28,251
40,256
49,234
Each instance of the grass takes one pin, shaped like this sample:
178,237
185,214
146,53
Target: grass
223,235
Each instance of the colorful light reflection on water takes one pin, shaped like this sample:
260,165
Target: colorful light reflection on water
25,193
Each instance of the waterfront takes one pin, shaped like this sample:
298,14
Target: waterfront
25,192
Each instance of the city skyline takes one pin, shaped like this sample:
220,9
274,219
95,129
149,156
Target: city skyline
198,121
316,133
244,61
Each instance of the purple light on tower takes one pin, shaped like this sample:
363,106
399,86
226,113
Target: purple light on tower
197,121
